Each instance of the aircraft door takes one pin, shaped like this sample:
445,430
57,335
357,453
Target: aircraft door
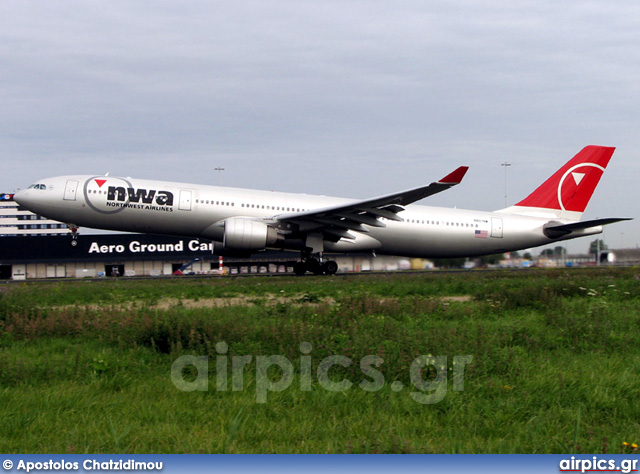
496,227
185,200
70,190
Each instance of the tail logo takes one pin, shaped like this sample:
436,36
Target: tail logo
577,177
567,192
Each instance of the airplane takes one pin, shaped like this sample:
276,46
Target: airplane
241,222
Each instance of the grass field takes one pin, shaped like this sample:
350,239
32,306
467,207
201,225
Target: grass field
536,361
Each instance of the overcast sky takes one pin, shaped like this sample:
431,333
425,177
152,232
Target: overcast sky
346,98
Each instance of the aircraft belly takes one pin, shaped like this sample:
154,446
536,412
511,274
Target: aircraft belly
435,242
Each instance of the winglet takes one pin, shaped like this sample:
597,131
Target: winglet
455,177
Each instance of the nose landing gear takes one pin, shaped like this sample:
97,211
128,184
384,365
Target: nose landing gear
74,234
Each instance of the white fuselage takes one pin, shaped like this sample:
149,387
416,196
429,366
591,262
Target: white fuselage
134,205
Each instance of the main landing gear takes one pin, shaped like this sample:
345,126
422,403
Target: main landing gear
315,265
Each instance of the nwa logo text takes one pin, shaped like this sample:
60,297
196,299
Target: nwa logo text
139,198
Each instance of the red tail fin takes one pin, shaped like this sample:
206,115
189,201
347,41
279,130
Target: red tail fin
571,187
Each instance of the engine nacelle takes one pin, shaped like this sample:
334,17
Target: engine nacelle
247,234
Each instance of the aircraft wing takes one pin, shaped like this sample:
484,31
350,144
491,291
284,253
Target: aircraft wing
335,222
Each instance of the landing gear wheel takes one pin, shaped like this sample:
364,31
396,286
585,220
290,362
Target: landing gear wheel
299,268
74,242
330,267
314,266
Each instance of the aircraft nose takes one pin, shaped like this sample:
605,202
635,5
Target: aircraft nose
18,196
24,198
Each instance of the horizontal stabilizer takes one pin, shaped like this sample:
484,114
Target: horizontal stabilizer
557,229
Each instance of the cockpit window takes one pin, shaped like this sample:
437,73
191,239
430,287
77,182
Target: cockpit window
37,186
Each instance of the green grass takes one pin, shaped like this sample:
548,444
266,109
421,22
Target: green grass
85,366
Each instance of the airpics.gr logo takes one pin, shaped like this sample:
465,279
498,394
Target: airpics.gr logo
120,194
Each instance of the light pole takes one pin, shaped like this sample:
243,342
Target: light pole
219,169
506,165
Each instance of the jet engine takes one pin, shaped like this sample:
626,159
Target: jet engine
247,234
